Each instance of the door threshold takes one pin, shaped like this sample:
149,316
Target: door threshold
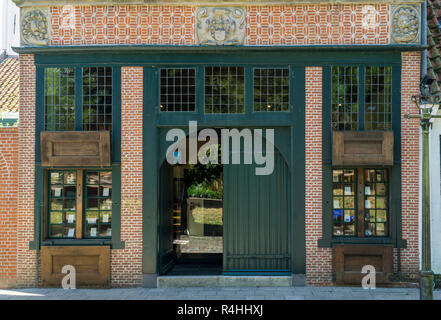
223,281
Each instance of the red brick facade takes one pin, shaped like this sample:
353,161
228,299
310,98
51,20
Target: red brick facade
410,77
8,207
26,259
266,25
318,260
175,25
126,265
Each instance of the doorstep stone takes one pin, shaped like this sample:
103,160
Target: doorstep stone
223,281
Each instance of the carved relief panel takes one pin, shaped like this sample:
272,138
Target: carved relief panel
35,26
220,26
405,24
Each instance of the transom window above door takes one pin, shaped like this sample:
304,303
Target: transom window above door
178,89
225,89
271,89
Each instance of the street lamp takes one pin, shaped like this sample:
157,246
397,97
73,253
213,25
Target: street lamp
427,111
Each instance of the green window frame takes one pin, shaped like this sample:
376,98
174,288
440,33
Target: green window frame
75,198
378,98
360,202
177,89
345,106
59,99
224,88
79,98
98,205
344,204
62,210
271,89
97,98
376,196
361,98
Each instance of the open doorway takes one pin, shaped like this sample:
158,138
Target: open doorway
197,218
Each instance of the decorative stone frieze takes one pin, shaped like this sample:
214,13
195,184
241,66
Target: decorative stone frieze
35,26
405,24
220,26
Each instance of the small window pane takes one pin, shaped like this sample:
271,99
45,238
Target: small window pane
224,90
178,89
271,89
62,204
98,218
378,98
344,98
59,92
376,202
97,99
343,202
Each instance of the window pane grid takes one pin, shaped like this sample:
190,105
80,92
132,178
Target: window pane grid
62,204
271,89
224,90
344,202
97,98
345,98
178,89
59,99
376,204
98,204
378,98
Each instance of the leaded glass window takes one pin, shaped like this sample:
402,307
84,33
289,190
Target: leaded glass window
271,89
343,202
59,96
62,204
345,98
360,202
178,89
97,98
376,202
378,98
224,90
98,218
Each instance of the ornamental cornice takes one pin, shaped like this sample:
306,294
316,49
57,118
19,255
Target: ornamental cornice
36,3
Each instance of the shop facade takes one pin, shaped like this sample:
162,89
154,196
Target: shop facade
102,84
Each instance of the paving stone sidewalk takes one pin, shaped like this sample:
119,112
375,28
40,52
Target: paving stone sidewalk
267,293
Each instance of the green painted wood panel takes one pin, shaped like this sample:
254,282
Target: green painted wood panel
257,223
166,252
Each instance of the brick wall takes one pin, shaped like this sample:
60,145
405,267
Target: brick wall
318,24
266,25
410,77
126,265
318,260
8,206
26,172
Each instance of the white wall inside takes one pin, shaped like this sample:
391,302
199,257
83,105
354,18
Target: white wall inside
435,194
9,26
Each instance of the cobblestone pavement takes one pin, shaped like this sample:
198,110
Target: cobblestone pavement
267,293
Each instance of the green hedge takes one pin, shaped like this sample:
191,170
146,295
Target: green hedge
201,190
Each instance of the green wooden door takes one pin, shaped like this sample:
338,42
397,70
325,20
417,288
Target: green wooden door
257,224
165,232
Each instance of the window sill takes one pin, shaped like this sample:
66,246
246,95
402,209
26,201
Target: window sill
80,242
327,243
